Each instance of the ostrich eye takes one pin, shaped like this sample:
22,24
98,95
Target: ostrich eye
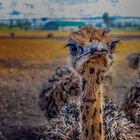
73,49
113,45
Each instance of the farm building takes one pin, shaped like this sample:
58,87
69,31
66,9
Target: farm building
63,25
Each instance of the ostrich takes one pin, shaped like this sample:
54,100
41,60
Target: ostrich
91,56
131,103
134,60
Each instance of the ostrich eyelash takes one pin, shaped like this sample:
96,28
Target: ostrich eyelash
70,44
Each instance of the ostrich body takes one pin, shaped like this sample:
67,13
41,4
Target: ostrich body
61,89
117,124
131,103
91,56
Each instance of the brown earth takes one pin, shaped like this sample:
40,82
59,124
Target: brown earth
20,85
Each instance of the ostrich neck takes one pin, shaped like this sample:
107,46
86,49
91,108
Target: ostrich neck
91,107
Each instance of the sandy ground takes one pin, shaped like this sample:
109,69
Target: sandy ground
20,86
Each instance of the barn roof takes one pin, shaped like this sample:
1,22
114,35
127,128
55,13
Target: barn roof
70,23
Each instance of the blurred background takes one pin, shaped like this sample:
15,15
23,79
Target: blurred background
32,38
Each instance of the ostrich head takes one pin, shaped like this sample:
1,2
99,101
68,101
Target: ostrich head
90,46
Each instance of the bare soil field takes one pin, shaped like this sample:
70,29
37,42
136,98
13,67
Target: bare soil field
25,65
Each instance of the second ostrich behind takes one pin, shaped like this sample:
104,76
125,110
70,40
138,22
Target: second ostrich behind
131,104
91,52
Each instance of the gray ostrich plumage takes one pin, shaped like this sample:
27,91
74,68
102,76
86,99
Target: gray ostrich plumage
61,88
117,124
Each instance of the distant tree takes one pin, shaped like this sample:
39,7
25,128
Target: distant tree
23,25
107,19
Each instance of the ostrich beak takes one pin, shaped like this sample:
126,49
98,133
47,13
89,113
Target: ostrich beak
93,50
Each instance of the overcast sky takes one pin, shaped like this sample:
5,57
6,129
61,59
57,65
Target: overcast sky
68,8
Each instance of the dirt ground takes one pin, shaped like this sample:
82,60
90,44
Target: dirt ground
20,86
21,83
